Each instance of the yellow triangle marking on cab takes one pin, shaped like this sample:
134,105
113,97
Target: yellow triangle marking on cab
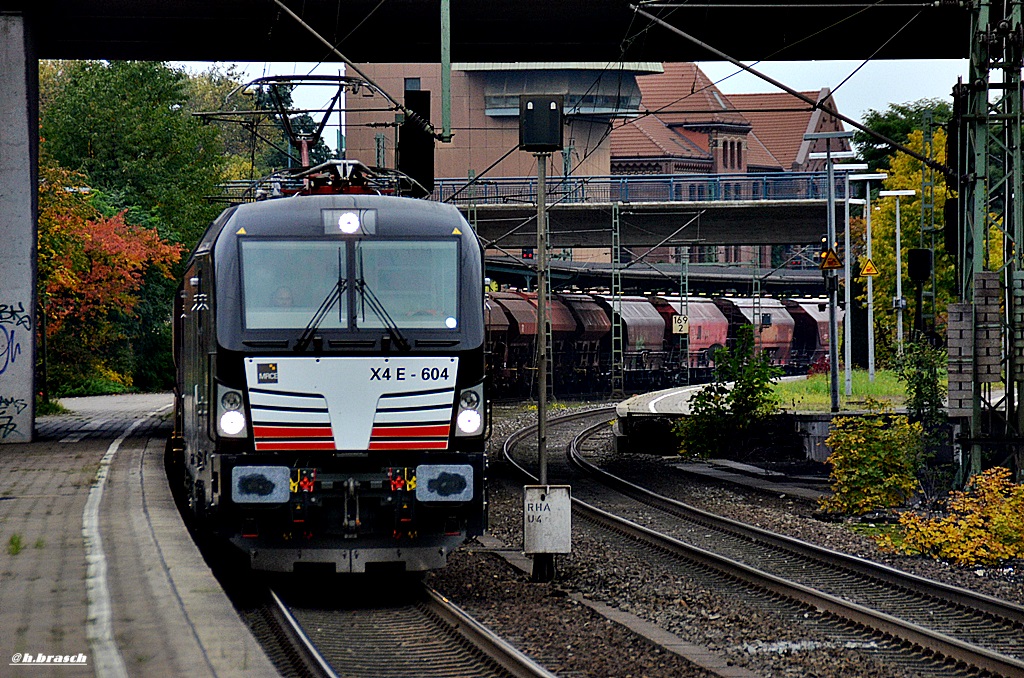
240,231
868,270
831,261
456,231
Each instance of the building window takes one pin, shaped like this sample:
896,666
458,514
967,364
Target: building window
412,84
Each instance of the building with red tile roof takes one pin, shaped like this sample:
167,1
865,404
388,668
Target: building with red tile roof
688,125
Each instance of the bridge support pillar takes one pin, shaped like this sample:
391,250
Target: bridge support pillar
19,136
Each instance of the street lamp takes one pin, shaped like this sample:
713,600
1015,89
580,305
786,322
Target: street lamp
899,303
846,168
867,178
831,279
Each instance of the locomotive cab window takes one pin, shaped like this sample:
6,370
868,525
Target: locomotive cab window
284,283
415,282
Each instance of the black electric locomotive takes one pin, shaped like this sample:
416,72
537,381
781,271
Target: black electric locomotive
330,362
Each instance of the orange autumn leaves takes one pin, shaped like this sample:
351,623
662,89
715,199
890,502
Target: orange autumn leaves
90,266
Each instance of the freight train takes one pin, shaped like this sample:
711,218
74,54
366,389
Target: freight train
666,340
329,404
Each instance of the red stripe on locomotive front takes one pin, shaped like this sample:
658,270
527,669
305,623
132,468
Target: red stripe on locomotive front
409,445
292,432
440,431
295,445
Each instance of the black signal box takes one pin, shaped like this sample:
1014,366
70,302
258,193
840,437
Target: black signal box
919,267
416,144
540,123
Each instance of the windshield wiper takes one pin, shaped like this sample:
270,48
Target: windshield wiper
370,299
332,298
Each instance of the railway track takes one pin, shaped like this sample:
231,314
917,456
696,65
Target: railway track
410,630
405,630
952,630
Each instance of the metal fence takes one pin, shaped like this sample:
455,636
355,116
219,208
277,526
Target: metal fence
640,188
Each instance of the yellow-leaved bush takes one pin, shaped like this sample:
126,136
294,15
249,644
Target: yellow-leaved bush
874,461
982,525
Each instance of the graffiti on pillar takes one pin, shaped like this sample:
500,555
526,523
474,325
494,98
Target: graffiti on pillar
15,327
14,314
12,318
9,408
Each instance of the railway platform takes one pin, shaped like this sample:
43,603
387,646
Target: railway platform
98,574
645,421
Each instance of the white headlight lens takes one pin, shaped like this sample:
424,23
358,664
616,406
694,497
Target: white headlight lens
468,421
348,222
232,422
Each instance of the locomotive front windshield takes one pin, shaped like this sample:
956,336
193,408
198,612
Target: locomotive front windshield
285,282
351,284
416,283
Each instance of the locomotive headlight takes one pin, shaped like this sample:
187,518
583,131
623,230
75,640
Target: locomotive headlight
232,422
470,400
231,419
348,222
469,421
231,400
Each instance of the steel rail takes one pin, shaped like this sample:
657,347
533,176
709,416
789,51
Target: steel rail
297,636
947,646
879,571
439,610
494,646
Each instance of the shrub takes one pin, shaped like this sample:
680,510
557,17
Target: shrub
735,404
921,367
874,460
982,524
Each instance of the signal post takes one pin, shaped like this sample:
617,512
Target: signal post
547,509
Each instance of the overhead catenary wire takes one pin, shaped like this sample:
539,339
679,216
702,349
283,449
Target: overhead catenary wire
410,114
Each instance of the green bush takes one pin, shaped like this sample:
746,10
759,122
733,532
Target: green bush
922,368
875,458
736,403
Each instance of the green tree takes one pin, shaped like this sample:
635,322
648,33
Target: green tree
896,123
875,458
905,173
124,124
218,97
922,367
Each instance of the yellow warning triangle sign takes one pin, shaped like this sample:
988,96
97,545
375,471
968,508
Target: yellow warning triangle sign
868,270
240,231
456,231
831,261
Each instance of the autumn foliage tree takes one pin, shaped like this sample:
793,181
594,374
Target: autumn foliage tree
91,268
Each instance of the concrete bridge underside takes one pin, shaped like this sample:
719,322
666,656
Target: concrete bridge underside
496,30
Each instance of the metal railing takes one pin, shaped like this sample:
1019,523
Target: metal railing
644,188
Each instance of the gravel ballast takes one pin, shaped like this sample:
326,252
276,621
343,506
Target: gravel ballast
551,623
